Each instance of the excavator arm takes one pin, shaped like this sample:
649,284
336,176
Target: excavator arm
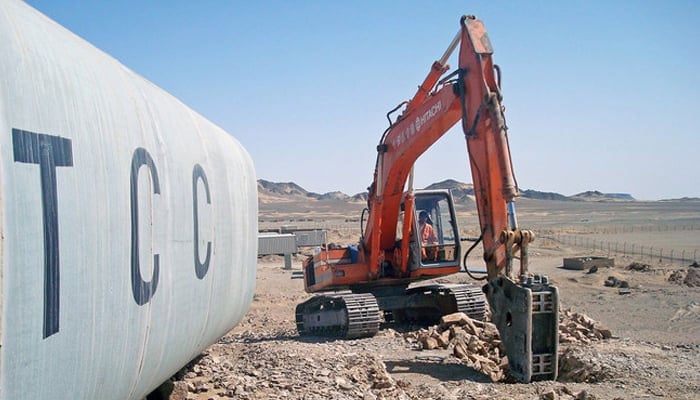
473,97
524,307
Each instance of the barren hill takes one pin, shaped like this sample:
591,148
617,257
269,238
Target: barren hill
594,195
462,192
280,188
289,191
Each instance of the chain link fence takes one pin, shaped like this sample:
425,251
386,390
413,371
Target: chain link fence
642,252
620,229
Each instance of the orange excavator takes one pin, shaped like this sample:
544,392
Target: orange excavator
412,235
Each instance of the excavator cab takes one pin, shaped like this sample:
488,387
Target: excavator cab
435,231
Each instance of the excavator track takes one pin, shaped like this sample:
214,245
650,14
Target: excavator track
344,316
470,300
447,299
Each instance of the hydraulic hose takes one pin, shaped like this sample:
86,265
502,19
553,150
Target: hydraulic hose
466,255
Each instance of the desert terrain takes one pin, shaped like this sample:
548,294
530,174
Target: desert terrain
653,351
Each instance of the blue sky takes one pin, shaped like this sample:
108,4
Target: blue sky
599,95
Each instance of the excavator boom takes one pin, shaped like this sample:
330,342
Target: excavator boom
474,98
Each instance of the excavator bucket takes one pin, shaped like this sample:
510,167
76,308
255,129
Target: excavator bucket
527,317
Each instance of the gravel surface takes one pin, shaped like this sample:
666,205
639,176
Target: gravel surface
264,358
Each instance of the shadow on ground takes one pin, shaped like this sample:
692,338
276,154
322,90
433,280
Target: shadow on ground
434,367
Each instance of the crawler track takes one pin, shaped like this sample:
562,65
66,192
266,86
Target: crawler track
438,300
470,300
352,315
339,315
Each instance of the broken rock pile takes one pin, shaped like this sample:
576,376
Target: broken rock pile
689,277
579,328
478,344
474,342
614,282
578,365
287,370
692,277
639,267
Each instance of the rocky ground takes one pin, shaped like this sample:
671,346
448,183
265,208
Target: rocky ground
637,341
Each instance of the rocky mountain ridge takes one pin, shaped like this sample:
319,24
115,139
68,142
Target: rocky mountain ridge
462,192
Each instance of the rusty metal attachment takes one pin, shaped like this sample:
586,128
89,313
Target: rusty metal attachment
517,240
527,317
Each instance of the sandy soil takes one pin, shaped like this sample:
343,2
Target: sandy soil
654,352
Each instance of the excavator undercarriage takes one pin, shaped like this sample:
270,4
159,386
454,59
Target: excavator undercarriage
353,315
526,314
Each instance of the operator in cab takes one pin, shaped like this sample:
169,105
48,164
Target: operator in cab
426,232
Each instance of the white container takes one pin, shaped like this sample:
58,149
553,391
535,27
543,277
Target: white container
128,221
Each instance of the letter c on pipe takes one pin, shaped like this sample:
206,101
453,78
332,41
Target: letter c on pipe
199,267
142,290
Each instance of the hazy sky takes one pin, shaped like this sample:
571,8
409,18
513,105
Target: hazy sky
599,95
